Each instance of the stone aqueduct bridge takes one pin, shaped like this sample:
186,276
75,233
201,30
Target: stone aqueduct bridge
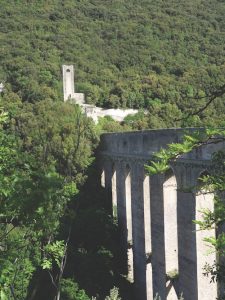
155,214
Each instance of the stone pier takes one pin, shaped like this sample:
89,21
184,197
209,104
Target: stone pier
164,249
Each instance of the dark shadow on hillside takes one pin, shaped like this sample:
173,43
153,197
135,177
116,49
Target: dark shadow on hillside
95,258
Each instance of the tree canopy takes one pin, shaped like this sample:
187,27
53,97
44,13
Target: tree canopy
144,55
164,57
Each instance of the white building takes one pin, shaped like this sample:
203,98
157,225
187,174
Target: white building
91,111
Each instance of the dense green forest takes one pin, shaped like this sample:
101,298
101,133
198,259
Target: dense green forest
160,55
57,237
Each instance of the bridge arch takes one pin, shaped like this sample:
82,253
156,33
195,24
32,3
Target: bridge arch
170,233
130,257
148,235
205,254
114,191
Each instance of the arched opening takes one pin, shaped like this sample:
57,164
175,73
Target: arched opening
205,254
68,70
148,240
171,236
114,192
103,178
129,223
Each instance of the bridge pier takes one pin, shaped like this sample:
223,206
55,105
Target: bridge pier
137,195
187,253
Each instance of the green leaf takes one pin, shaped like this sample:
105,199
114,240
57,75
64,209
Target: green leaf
46,264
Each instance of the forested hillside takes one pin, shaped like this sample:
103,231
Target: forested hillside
126,53
58,239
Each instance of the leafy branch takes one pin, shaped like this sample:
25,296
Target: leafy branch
161,160
211,97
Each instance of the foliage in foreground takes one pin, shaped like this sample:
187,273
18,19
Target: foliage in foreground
48,218
45,150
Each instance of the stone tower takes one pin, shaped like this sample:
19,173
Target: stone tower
68,85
